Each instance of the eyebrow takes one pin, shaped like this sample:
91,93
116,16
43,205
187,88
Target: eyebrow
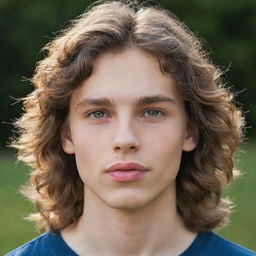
107,102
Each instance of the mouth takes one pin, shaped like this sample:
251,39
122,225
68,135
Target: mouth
126,172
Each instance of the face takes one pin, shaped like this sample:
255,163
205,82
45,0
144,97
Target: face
127,111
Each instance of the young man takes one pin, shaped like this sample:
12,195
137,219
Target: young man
131,136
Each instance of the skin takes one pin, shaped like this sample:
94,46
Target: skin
139,217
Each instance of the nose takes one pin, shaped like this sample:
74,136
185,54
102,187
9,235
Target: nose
125,139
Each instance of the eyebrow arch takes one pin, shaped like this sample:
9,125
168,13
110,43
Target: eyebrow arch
145,100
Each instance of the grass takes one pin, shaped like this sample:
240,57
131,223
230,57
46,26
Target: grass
242,227
14,207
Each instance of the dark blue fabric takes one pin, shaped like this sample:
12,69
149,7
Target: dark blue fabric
205,244
48,244
210,244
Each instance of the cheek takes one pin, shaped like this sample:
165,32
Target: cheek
88,137
165,146
90,145
168,137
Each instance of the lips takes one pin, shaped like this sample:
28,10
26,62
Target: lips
126,167
125,172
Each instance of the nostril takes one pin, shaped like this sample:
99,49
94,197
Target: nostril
125,142
125,147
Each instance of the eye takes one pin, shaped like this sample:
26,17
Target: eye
154,113
98,114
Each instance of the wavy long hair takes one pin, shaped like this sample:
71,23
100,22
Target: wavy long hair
55,186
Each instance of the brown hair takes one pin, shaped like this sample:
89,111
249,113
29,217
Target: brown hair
55,186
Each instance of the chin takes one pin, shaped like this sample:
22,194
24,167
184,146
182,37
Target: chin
128,201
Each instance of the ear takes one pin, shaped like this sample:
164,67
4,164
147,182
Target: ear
191,138
66,140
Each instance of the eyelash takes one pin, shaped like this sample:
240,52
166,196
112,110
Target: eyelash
103,111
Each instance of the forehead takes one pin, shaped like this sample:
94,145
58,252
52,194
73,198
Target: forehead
124,75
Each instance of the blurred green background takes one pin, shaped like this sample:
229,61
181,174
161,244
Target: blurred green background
227,30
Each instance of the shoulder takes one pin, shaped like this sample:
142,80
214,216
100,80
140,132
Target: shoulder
36,247
222,246
49,244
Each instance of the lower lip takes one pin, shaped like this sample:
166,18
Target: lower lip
124,176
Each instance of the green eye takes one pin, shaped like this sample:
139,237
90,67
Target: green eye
154,113
97,114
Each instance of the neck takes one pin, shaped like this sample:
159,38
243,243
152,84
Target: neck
154,229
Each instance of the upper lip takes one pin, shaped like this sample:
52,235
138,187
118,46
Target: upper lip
126,167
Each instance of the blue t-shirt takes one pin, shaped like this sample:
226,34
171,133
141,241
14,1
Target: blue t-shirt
205,244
